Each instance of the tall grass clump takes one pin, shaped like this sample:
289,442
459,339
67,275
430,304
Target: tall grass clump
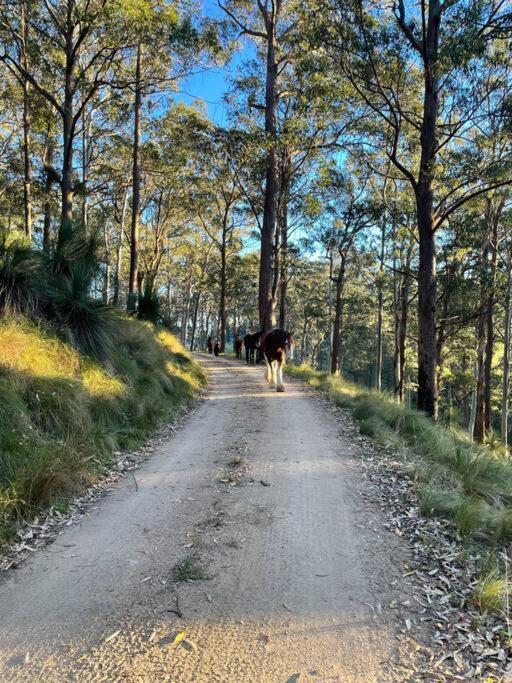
468,483
63,413
78,379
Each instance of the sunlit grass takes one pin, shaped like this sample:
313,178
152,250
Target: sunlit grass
491,593
28,348
62,414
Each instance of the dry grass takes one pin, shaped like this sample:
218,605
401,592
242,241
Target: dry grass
62,413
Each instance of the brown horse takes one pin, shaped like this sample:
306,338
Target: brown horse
251,347
277,346
237,345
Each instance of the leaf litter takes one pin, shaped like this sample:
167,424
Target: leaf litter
465,644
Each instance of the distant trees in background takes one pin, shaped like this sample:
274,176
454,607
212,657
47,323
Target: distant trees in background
359,194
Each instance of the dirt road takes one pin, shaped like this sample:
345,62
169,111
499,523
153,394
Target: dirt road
262,491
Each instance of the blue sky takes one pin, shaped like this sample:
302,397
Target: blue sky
209,86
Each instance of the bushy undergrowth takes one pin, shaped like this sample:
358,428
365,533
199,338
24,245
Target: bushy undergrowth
466,482
63,413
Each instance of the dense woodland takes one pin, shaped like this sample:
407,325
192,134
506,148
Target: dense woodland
360,194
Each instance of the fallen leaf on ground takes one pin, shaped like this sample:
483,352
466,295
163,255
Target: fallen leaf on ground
112,636
179,637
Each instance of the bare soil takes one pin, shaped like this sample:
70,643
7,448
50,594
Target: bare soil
265,492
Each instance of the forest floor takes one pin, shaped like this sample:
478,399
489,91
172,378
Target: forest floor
245,549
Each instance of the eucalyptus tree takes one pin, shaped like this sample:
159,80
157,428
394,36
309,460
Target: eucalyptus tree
75,47
426,71
345,216
221,210
165,46
269,24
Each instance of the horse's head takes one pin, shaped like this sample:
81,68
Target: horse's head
289,345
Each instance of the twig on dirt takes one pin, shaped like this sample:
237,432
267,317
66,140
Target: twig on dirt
177,610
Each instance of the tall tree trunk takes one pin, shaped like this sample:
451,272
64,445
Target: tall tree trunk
186,309
27,169
106,282
207,323
506,352
66,221
330,305
478,431
303,340
402,334
443,317
380,309
285,198
485,324
427,357
427,361
265,299
338,316
86,162
222,298
47,206
489,323
396,330
134,233
194,320
119,255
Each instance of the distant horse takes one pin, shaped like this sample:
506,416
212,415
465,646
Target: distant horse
277,346
237,346
216,348
209,345
250,343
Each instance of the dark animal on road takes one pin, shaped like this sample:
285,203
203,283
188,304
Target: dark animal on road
277,346
250,343
216,348
209,345
237,346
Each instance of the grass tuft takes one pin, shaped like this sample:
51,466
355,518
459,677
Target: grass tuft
189,569
490,593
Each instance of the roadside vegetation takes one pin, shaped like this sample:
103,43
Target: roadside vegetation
63,413
78,379
470,484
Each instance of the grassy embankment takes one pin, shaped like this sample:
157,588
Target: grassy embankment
466,482
63,413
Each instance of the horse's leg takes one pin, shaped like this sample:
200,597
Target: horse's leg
268,371
274,374
279,382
